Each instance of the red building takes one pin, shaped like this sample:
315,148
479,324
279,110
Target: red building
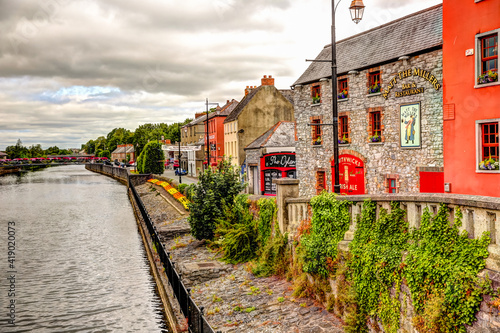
216,131
471,96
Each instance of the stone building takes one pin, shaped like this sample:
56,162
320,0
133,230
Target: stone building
123,153
271,156
390,111
260,109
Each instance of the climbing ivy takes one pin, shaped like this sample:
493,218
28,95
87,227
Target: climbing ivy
330,221
441,272
375,264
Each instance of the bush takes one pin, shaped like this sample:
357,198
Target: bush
181,187
216,188
152,159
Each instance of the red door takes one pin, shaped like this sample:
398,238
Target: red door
352,175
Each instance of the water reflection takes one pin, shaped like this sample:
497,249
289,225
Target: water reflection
80,264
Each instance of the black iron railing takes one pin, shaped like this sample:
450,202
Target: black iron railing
194,314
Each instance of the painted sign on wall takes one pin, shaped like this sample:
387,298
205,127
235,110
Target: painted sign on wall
410,132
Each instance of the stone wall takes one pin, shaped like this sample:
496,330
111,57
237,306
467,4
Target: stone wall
382,159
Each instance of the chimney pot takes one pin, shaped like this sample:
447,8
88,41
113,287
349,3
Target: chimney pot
267,81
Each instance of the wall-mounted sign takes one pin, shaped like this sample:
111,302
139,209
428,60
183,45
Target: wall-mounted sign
410,88
280,161
410,132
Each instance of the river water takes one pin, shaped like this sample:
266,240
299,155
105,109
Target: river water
78,262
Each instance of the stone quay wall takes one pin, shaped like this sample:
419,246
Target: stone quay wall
384,159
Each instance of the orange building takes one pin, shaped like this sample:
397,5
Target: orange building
216,131
471,96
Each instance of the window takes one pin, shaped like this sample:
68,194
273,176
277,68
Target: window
316,94
392,185
487,57
488,145
320,181
316,132
489,134
375,124
343,89
374,82
489,53
343,129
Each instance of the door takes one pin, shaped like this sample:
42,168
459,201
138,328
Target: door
352,175
255,180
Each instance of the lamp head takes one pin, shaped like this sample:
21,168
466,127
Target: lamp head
357,8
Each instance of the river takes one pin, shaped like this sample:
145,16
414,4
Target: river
78,263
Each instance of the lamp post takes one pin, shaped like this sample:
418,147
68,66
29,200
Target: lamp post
356,9
208,151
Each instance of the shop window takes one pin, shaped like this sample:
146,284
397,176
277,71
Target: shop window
317,137
343,92
487,57
376,128
316,94
488,150
374,82
320,181
343,130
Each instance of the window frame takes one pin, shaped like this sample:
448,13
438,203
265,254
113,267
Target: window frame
371,80
320,176
316,91
479,56
343,84
479,143
344,128
373,122
392,189
316,131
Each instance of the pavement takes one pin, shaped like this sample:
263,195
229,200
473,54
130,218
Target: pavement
184,179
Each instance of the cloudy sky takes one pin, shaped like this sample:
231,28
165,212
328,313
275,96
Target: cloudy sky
72,70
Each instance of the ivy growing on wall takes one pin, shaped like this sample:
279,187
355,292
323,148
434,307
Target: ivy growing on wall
330,221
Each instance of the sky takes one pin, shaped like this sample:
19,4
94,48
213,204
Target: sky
72,70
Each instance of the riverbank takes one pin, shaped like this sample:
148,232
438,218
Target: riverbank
234,300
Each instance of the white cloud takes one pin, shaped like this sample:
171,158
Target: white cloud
74,70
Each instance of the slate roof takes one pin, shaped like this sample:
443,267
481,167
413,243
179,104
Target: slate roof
224,111
241,105
408,35
195,121
283,134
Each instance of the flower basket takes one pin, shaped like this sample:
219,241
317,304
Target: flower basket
375,88
488,77
343,141
343,94
489,164
375,138
316,99
318,141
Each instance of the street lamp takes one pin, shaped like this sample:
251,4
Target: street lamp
356,9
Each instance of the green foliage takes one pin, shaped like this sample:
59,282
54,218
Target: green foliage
140,163
182,187
236,232
442,267
216,188
152,159
274,256
374,268
267,214
330,221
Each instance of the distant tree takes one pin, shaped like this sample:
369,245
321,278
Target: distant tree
52,150
36,151
152,159
17,151
106,153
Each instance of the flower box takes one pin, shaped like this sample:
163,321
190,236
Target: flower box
489,164
375,88
488,77
375,138
343,95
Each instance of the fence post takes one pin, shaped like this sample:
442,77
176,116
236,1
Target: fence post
187,304
200,320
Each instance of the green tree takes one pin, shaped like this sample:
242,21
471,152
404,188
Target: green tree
17,151
36,151
215,189
152,159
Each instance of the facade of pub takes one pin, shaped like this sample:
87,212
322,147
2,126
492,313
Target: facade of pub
390,111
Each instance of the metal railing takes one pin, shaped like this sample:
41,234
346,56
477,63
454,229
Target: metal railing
194,314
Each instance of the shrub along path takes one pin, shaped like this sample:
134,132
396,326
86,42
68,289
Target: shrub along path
234,299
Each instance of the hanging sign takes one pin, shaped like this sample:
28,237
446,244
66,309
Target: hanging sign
410,88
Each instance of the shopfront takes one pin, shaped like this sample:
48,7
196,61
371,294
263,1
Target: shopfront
276,166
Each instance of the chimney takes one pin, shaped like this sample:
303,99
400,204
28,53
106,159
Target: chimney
247,90
267,81
198,115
